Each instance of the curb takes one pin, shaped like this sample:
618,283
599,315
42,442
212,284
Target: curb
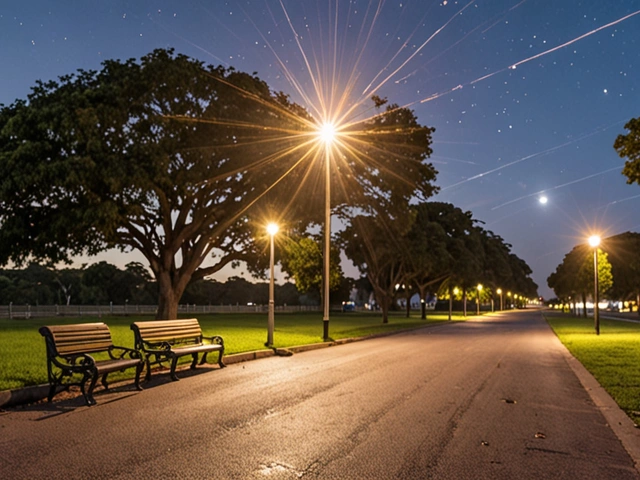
36,393
622,426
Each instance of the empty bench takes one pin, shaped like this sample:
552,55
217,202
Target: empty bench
168,340
71,357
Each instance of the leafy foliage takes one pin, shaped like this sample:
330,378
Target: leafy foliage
574,277
629,146
303,261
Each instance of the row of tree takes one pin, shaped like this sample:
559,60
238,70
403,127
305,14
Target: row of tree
184,162
618,271
441,249
103,283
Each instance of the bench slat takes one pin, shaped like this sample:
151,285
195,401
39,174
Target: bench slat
156,331
81,338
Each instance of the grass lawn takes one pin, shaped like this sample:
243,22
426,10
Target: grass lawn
613,357
23,354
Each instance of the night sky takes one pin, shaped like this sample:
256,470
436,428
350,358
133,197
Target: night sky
527,97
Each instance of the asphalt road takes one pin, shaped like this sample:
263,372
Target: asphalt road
487,399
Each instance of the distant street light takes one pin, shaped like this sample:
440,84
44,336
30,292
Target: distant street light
479,287
594,241
451,294
272,229
499,291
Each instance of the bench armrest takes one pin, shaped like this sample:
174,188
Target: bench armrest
79,362
117,353
214,339
159,347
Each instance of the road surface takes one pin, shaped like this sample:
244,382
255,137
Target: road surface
487,399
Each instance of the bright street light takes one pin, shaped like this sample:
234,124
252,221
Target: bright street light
479,287
327,132
594,241
499,292
272,229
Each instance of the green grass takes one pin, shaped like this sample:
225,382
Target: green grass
613,357
23,354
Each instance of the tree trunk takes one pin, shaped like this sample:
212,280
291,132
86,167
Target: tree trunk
169,293
464,303
408,312
584,305
167,307
384,306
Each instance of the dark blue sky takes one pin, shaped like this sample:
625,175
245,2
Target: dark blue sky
504,135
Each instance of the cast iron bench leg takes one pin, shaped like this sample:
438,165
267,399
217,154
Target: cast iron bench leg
88,394
138,372
174,363
52,391
104,381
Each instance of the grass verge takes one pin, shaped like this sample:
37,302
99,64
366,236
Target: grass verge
23,354
613,357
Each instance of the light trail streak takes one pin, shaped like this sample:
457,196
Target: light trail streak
615,202
502,16
558,186
418,50
558,47
452,160
189,42
533,155
526,60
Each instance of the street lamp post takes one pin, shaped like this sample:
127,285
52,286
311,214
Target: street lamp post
327,134
272,229
594,241
478,299
499,292
451,294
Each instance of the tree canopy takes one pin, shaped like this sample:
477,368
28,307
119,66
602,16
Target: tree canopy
436,244
574,278
184,162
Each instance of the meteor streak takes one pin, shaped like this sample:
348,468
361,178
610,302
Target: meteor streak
558,186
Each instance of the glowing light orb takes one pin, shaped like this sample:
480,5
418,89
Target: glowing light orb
272,229
543,200
327,132
594,240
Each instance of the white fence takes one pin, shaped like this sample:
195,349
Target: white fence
33,311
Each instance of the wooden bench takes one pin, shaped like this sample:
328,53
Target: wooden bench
71,350
164,340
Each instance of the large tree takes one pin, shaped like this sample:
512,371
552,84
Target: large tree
378,249
164,156
183,161
574,277
437,246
